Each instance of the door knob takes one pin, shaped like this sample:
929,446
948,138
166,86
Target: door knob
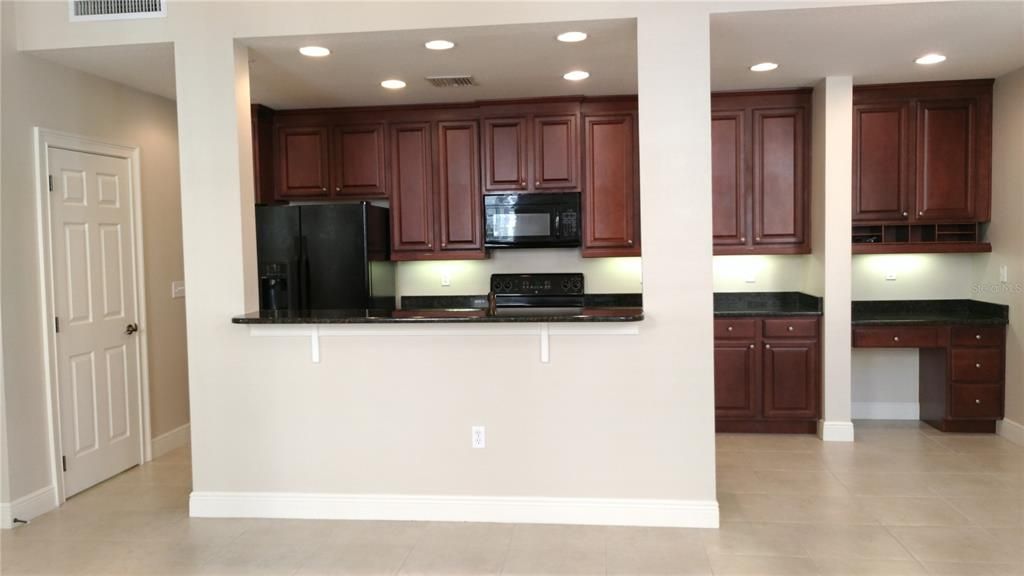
131,329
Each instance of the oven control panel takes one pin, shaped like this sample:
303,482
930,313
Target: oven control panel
537,284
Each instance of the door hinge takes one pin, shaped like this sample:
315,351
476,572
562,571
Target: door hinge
56,324
50,178
64,463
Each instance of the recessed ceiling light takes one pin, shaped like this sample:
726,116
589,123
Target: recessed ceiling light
932,58
314,51
440,45
764,67
576,75
572,36
393,84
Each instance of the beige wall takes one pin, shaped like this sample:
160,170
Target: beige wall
918,276
601,275
610,416
1007,231
57,98
760,273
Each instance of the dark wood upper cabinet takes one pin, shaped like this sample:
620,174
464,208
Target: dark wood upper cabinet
262,153
736,380
505,154
760,162
458,144
790,379
358,167
728,175
611,194
946,157
412,182
302,162
881,151
556,152
780,190
922,154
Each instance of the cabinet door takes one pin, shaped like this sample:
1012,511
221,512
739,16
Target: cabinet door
736,380
945,188
790,376
610,197
728,178
556,153
358,166
779,188
881,159
505,152
459,181
412,214
302,162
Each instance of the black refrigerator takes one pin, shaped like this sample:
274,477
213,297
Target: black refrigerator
324,257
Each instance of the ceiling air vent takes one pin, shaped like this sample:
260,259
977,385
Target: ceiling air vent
453,81
117,9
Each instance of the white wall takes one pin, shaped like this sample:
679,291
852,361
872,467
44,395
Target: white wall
47,95
633,415
469,277
760,273
918,276
1007,233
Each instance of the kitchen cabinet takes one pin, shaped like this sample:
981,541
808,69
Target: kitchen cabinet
302,164
532,146
458,145
760,172
922,156
767,374
611,193
556,164
358,161
505,154
262,154
412,197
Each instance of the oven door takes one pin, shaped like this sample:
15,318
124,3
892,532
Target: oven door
515,222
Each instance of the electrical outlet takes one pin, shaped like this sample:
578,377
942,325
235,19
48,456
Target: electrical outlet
479,437
1004,276
750,277
890,277
178,289
446,279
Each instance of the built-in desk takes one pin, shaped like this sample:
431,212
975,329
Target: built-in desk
962,355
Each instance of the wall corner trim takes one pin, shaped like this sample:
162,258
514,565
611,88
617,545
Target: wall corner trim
1012,431
832,431
504,509
177,438
29,506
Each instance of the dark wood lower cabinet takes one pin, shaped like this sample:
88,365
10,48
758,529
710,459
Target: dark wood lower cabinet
767,375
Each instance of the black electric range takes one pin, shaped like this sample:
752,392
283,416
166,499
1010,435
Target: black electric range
541,294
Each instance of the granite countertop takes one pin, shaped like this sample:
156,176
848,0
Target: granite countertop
731,304
441,316
928,312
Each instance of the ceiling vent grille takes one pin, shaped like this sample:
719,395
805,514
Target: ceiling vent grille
453,81
116,9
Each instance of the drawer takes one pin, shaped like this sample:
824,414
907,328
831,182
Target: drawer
976,401
978,335
977,364
896,337
735,328
793,327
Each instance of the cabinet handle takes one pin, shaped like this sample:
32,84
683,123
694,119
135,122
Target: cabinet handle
629,242
537,183
729,328
767,346
905,214
444,244
977,365
522,184
751,346
337,188
790,328
324,189
743,238
895,338
757,238
977,401
977,336
920,213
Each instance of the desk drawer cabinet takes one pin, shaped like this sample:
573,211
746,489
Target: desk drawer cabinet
983,401
791,328
976,364
735,328
896,337
978,336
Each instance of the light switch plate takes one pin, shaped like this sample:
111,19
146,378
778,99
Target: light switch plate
178,289
1004,276
446,279
891,276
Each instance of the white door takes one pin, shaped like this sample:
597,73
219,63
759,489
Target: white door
95,304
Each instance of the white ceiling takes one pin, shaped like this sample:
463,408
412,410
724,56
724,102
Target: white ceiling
874,44
507,62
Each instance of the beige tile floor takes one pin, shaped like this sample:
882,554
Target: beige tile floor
903,500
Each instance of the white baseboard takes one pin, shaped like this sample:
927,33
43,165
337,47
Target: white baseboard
835,431
595,511
28,507
177,438
886,410
1011,430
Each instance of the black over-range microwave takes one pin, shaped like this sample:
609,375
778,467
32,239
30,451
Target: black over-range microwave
532,220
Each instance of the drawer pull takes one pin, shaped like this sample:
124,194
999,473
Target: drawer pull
977,336
751,346
977,364
977,401
790,328
767,346
895,338
729,328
